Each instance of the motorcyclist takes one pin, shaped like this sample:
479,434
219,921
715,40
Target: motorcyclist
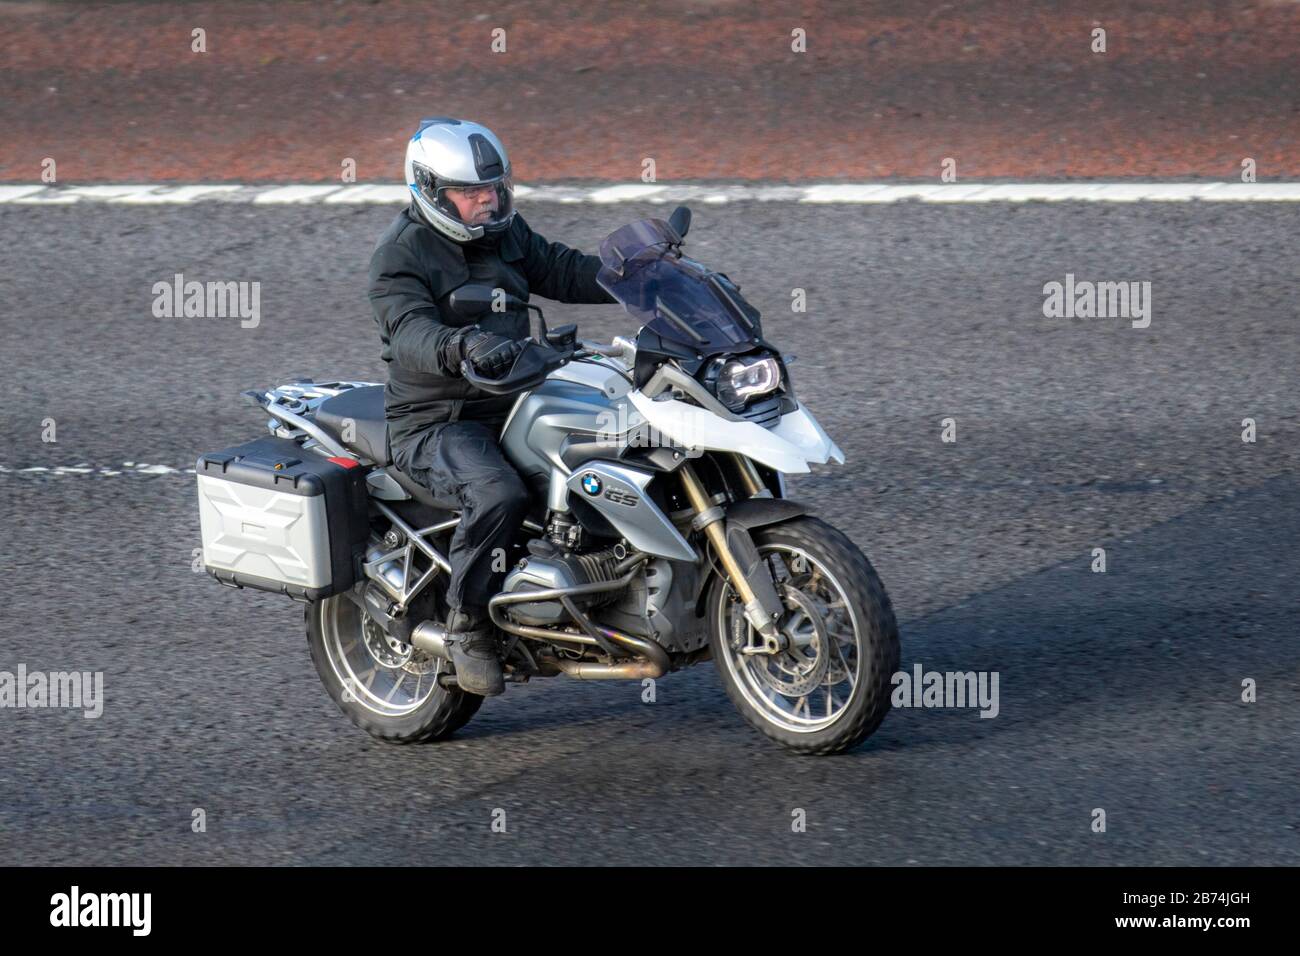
460,228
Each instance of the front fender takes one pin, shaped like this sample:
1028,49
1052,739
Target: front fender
759,512
742,518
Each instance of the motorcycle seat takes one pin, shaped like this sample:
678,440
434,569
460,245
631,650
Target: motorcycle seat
364,407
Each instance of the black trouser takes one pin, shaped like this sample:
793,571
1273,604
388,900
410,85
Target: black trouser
462,460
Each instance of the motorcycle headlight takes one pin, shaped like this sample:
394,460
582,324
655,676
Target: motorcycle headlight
740,379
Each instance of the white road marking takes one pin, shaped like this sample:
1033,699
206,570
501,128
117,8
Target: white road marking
376,193
624,193
175,194
85,468
842,193
104,193
660,193
11,193
296,194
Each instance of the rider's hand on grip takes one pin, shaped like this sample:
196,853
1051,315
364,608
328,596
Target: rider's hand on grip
488,353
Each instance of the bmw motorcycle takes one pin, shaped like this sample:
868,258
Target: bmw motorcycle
660,534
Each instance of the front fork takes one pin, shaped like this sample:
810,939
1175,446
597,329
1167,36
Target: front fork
740,559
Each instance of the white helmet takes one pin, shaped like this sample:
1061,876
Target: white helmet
449,153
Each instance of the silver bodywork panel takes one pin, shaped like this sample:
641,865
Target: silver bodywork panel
619,494
599,373
562,406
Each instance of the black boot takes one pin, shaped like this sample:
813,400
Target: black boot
473,644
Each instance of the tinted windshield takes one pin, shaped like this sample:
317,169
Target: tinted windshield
675,296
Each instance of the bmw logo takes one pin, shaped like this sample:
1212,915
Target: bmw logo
590,484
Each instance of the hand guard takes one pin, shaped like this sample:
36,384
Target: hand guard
489,353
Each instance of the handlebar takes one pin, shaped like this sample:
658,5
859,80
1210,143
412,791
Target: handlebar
529,370
609,351
539,359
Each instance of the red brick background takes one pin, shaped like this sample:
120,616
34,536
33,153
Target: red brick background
709,90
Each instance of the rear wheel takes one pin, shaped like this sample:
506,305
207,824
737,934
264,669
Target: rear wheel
829,688
387,688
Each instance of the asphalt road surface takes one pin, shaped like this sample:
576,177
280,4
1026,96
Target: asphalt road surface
1120,691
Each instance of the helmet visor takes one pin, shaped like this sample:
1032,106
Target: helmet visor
489,204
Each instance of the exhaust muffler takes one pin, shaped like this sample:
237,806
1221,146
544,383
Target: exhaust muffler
431,637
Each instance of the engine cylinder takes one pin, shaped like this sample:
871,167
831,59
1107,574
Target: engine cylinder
544,572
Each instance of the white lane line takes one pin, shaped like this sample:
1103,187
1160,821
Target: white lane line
105,193
842,192
42,196
85,468
175,194
625,193
296,194
375,193
12,193
661,193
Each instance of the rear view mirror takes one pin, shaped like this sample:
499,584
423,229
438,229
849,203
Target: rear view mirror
680,220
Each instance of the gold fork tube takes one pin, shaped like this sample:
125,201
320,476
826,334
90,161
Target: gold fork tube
718,538
748,475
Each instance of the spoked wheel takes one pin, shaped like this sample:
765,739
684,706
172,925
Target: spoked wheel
388,688
828,689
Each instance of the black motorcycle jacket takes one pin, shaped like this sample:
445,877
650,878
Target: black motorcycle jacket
414,270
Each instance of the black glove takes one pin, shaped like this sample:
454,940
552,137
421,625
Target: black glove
490,354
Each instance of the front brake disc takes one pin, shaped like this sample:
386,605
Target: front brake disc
800,668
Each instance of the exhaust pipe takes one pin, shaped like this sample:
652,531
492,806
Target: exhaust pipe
654,660
638,670
431,637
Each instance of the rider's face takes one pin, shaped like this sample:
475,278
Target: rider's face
476,204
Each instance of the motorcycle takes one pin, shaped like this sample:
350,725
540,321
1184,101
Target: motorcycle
660,534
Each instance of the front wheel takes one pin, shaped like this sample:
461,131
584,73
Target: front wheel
829,688
387,688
